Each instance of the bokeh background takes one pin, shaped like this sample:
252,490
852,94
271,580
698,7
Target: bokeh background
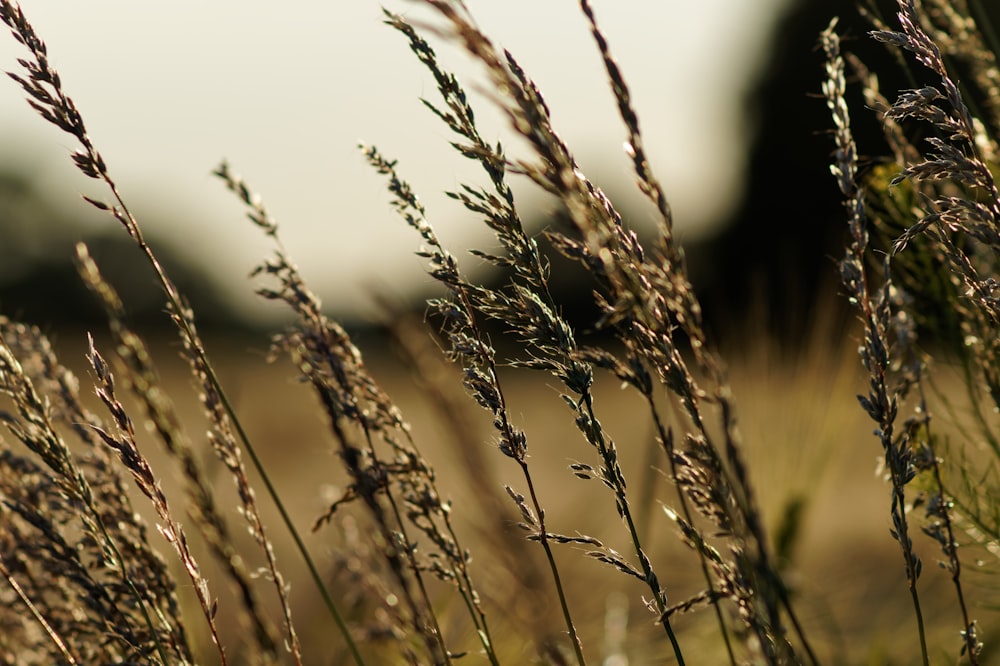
727,93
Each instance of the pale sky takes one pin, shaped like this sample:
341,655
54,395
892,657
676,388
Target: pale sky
285,93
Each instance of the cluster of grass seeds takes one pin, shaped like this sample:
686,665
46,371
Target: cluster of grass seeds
83,581
937,218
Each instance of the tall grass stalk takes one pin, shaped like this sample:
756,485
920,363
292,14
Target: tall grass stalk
44,88
83,582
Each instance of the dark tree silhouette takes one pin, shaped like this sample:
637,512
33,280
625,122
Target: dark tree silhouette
788,234
39,284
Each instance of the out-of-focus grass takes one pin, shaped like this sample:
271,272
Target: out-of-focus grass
809,446
507,499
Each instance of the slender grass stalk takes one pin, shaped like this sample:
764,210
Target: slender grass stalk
44,87
543,539
122,441
43,440
534,312
54,636
469,347
941,529
922,257
667,442
146,384
881,402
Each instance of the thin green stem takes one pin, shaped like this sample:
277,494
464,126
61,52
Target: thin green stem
949,543
973,390
901,529
787,603
285,516
920,623
175,302
612,470
668,445
543,539
468,592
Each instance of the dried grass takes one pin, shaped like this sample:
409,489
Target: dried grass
84,582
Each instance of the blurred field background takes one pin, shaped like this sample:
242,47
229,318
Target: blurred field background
287,98
762,251
813,461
